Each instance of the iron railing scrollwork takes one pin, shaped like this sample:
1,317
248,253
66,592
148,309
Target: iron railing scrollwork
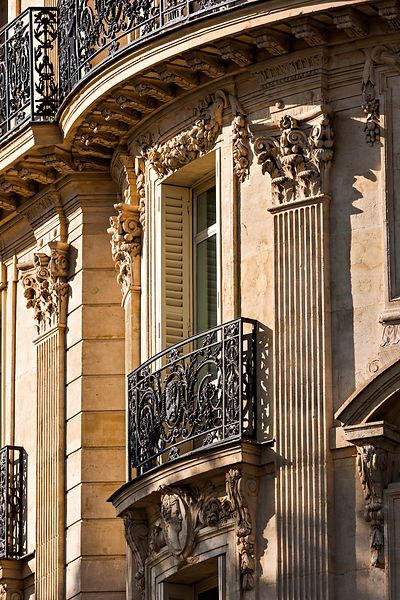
91,31
196,393
12,501
28,69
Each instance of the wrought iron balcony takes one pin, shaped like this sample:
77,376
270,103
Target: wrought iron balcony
28,73
46,52
12,501
198,392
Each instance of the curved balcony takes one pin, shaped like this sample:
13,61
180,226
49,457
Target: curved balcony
197,393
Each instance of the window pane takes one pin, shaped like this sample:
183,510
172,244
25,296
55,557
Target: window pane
206,283
206,209
209,595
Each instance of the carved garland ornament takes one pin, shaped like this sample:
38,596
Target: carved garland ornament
126,243
189,145
184,512
298,162
384,55
372,465
46,288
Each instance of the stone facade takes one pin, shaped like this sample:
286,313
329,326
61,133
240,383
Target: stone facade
146,459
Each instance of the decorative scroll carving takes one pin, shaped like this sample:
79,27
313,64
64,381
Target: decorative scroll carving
46,289
298,163
372,464
137,536
184,512
141,191
244,529
380,55
240,141
126,242
391,334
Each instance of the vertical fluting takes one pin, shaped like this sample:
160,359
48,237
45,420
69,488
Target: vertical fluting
50,482
302,359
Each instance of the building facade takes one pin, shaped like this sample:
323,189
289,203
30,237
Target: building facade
200,300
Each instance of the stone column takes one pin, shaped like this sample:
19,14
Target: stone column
46,292
298,162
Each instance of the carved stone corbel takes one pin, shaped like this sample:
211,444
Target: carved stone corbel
372,466
298,162
7,593
244,528
126,243
384,55
46,287
137,537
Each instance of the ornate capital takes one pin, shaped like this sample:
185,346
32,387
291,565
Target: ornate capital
46,288
298,161
126,243
372,466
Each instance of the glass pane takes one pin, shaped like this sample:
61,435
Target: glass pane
206,209
209,595
206,283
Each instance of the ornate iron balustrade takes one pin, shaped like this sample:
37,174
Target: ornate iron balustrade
198,392
12,501
28,72
90,31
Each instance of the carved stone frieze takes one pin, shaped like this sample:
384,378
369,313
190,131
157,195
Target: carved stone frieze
46,287
126,243
137,536
290,69
297,161
372,465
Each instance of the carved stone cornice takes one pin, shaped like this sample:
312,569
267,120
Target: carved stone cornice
126,243
298,161
46,287
372,466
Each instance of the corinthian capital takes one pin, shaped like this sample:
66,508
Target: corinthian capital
126,243
46,288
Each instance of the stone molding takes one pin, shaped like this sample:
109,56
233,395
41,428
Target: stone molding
297,161
183,512
126,243
46,288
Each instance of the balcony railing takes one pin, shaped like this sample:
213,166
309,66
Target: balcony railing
12,501
28,75
46,52
197,393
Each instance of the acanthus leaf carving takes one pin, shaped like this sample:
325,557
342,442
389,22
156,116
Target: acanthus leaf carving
244,528
240,141
46,287
298,162
126,243
137,536
372,466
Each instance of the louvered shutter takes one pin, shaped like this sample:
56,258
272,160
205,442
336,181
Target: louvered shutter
176,267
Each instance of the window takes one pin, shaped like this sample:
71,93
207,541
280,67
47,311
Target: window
205,581
189,273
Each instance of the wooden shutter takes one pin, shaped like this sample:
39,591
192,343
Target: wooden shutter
176,267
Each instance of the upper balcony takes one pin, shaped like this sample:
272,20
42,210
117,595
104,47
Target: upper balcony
45,53
196,394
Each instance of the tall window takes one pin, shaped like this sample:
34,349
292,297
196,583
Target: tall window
205,259
189,272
